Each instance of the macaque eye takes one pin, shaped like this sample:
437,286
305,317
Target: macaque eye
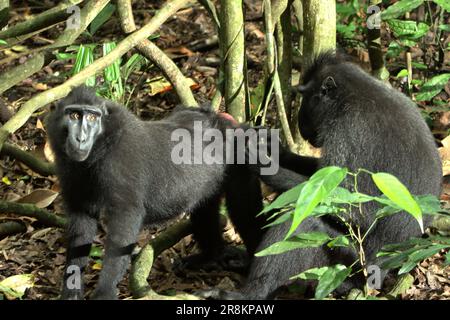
91,117
75,115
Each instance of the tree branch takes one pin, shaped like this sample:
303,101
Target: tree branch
144,261
47,18
16,74
9,228
42,167
152,52
30,210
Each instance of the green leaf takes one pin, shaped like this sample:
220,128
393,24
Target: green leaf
302,240
96,252
394,50
85,56
403,73
285,199
408,29
445,27
281,219
428,203
331,279
392,188
341,241
400,8
3,42
135,63
432,87
112,74
419,66
420,255
343,195
445,4
65,56
386,211
311,274
102,17
319,186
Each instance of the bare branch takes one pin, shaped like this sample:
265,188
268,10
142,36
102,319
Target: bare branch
162,61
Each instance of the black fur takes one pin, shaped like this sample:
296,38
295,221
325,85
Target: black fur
129,177
360,123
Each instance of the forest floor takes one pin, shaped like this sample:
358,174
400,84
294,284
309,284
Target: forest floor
40,250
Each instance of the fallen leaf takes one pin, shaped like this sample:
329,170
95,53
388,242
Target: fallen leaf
14,287
41,198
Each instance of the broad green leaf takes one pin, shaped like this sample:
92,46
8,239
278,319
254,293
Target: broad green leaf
102,17
319,186
3,42
405,245
331,279
341,241
386,212
403,73
285,198
342,195
302,240
392,188
432,87
311,274
408,29
428,203
419,66
394,50
445,27
281,219
444,4
400,8
420,255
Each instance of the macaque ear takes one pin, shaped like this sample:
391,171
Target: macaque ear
328,85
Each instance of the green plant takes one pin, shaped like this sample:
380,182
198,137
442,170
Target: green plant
322,195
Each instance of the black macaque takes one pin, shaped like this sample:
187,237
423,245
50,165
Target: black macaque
112,165
359,122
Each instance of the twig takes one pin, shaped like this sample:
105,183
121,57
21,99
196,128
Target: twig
30,210
38,101
159,58
42,167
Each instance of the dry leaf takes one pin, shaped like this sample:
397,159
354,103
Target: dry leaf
41,198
